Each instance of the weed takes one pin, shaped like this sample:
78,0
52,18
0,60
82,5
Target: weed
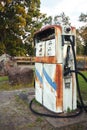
39,119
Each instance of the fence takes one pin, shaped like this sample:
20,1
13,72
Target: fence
81,61
24,60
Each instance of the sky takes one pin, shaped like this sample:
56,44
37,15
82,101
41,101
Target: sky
71,8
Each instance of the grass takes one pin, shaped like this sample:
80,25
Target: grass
83,85
82,82
4,84
3,78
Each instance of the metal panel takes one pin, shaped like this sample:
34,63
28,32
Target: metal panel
49,59
50,47
69,85
51,99
59,46
49,91
67,94
40,49
55,91
74,93
38,82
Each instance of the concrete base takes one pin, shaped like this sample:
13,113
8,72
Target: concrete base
76,123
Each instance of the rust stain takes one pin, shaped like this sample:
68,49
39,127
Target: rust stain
58,32
59,81
52,90
47,27
37,80
46,59
73,29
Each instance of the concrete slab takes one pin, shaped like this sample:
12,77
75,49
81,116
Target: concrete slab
67,122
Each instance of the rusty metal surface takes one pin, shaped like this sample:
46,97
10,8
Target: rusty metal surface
54,90
38,82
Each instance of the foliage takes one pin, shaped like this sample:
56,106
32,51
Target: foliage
34,20
83,31
83,17
60,19
19,19
29,49
48,20
3,78
83,86
79,44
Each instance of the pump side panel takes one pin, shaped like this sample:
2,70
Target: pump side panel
69,85
38,82
67,94
50,92
74,94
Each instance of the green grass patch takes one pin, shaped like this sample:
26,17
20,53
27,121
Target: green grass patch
83,85
4,84
3,78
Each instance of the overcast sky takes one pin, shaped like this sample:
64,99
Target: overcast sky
71,8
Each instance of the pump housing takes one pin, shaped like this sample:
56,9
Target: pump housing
53,58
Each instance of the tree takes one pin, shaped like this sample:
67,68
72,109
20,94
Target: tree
48,21
34,20
83,17
19,19
79,43
12,23
62,19
83,30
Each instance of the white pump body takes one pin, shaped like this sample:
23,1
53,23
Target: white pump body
53,57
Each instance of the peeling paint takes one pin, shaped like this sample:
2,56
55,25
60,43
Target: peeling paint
54,90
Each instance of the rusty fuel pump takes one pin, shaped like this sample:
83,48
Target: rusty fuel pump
56,74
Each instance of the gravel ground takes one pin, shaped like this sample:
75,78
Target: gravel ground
16,115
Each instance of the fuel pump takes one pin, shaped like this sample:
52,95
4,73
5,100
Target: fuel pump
56,79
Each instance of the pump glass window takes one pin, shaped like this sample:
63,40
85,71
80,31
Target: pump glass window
45,43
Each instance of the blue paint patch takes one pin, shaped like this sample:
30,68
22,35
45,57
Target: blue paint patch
39,76
49,80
